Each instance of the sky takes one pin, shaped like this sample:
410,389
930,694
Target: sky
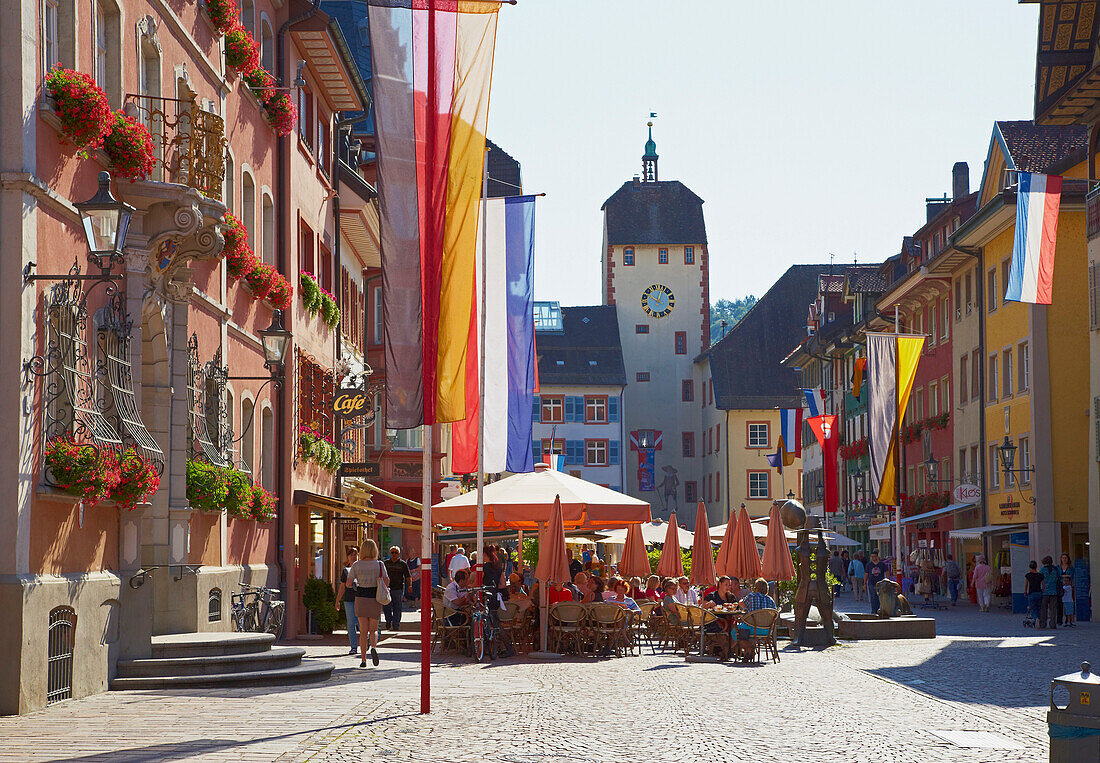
808,128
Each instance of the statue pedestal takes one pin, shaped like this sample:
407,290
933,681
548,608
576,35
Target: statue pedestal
814,635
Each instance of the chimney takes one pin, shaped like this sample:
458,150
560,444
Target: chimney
637,181
960,180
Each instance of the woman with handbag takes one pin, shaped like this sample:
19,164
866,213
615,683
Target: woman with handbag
372,591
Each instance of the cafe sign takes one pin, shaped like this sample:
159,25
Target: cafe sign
350,403
967,494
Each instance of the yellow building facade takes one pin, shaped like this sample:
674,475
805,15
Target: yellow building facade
750,436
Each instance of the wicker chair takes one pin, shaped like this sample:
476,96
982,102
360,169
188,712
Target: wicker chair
761,619
698,620
511,625
608,628
444,635
567,625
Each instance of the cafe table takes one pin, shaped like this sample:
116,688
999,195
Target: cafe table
729,616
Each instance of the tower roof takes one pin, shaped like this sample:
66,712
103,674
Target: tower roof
660,212
650,145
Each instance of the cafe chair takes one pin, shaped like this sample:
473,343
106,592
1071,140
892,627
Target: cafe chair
764,623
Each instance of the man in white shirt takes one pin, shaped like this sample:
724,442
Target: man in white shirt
454,598
458,562
685,594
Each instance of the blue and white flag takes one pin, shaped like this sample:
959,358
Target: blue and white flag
815,402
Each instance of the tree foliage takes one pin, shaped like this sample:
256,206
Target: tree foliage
730,311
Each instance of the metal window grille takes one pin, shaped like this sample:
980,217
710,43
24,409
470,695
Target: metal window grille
214,605
114,342
59,660
1094,296
207,417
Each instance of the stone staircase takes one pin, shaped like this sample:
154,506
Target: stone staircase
218,660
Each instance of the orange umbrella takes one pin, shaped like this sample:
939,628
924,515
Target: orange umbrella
553,563
744,560
670,564
634,560
777,556
722,563
702,558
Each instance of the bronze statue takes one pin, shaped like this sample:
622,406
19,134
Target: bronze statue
813,585
891,601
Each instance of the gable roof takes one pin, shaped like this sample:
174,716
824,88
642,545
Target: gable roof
1043,148
745,364
587,352
663,212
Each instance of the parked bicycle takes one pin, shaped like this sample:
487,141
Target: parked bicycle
255,610
485,631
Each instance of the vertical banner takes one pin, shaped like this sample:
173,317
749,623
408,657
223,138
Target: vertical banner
891,366
828,435
1031,278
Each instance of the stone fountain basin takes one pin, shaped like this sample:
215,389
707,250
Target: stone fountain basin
858,626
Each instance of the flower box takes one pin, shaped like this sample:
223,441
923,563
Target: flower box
81,106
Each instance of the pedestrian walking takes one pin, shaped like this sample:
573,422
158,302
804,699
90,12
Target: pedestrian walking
847,561
1052,592
368,574
953,574
1067,600
856,573
983,582
836,567
1065,566
398,572
875,573
345,595
458,562
1033,589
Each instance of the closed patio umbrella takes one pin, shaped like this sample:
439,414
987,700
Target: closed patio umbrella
702,558
671,565
744,559
634,561
553,565
722,563
777,555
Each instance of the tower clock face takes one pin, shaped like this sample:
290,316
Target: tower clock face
658,300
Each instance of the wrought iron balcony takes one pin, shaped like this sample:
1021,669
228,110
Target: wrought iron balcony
188,141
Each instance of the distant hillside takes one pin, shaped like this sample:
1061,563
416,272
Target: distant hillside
729,311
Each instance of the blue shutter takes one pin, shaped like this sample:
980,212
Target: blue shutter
612,409
617,488
536,450
536,409
567,408
574,452
578,409
613,452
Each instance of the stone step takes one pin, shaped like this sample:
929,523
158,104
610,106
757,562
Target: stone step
210,644
308,671
276,658
402,640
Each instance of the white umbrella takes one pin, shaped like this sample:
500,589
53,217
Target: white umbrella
759,530
652,532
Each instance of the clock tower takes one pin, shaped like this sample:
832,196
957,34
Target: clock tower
655,271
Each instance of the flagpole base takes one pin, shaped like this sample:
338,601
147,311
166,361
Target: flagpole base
544,655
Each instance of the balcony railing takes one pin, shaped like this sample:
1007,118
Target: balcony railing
1092,213
188,141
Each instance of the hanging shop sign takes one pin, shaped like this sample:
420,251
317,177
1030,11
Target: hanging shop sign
360,470
967,494
350,403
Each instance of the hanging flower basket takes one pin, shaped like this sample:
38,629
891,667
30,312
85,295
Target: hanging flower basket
260,279
82,107
281,294
83,470
223,13
129,147
261,83
330,313
138,481
263,507
238,501
207,486
238,255
317,447
311,293
241,51
282,114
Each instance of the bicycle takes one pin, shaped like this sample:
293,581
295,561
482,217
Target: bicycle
254,610
484,628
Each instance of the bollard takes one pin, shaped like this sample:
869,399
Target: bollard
1075,729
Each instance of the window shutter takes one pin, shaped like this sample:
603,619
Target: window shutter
613,452
612,409
1094,296
578,408
574,452
536,450
536,408
567,408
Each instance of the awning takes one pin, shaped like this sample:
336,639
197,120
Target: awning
936,512
318,502
977,532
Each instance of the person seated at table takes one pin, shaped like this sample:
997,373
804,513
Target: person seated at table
757,599
653,588
635,590
668,597
736,590
721,596
618,595
516,593
579,586
558,592
595,590
456,599
685,594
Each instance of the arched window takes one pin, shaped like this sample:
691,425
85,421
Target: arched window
227,192
267,44
58,33
61,637
248,439
268,254
248,17
248,207
267,449
107,49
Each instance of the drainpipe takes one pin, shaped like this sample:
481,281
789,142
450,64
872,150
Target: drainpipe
282,459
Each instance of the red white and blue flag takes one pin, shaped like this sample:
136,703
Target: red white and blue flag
815,402
790,434
1032,276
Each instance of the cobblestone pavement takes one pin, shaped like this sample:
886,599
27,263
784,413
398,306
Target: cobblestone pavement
859,700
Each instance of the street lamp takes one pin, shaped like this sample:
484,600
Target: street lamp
105,220
1007,450
790,495
275,339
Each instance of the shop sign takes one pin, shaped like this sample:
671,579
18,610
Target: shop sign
360,470
967,494
350,403
880,533
1009,508
349,532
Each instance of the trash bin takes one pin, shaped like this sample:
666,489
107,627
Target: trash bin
1075,727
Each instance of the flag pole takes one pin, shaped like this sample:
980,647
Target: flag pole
481,373
426,570
897,491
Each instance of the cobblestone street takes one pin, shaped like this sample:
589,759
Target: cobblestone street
869,700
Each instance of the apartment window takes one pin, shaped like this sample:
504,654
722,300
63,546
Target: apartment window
662,256
1006,375
759,437
945,318
718,486
958,299
1006,268
595,452
99,35
992,376
975,375
933,399
945,394
687,440
378,315
691,491
918,406
554,447
963,381
969,301
628,257
641,376
306,262
758,485
553,409
687,390
1025,460
689,255
324,267
322,141
681,343
974,473
641,328
994,468
595,409
962,465
717,438
305,116
991,290
267,230
931,324
248,208
1024,354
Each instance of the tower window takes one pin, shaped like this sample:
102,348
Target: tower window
689,255
687,390
628,257
662,256
641,328
681,342
641,376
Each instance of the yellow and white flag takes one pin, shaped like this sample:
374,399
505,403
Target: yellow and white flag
891,365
